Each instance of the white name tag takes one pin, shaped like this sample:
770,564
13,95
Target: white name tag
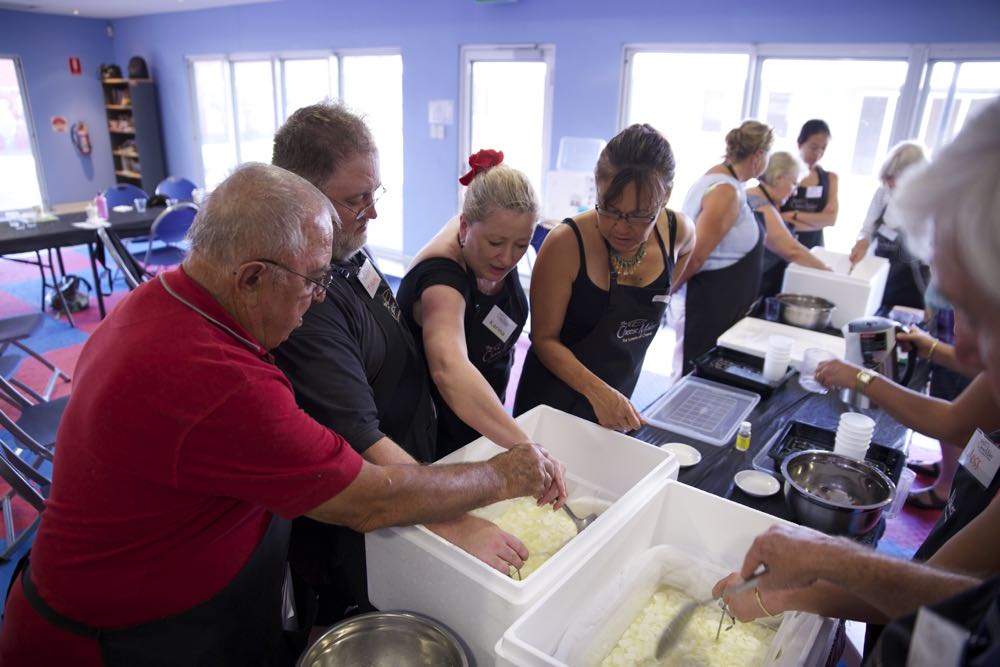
935,641
369,278
982,458
888,233
661,298
498,322
814,191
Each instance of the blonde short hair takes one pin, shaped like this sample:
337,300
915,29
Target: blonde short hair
500,187
781,164
902,156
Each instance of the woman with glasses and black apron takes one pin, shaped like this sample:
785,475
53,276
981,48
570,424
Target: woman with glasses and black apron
601,284
723,273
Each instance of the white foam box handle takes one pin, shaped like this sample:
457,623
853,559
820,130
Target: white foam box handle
411,568
856,293
710,528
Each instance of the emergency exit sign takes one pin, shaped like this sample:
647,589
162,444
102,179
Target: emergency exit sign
74,66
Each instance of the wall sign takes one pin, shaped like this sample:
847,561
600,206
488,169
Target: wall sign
74,66
59,124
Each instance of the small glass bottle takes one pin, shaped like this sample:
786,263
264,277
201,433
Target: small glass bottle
743,437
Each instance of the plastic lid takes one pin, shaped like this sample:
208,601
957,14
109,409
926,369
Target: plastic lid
745,426
704,410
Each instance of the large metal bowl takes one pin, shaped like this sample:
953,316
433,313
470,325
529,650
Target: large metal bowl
386,639
835,494
808,312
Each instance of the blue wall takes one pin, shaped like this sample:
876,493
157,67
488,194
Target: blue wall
588,36
44,44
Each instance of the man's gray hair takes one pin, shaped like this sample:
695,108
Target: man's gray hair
258,211
318,139
959,192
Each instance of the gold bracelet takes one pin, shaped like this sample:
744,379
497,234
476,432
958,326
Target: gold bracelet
930,353
756,594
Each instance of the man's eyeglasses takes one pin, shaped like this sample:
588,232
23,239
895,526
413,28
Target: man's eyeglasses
636,219
371,198
318,285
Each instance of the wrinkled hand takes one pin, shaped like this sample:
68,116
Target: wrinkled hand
556,493
527,469
916,339
794,557
743,605
859,251
837,374
484,540
614,411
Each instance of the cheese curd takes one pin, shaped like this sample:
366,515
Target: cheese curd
744,644
542,530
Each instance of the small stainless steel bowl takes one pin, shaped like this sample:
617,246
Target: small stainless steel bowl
808,312
386,639
834,493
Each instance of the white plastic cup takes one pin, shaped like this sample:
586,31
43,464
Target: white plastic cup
807,372
140,204
850,450
779,353
854,435
902,491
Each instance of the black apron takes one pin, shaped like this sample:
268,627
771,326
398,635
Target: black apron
977,610
491,356
716,300
403,372
800,202
908,276
241,625
773,265
615,348
331,559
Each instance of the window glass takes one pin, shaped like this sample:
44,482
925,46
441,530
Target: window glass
508,113
955,91
857,99
255,118
693,99
215,128
308,81
373,86
19,186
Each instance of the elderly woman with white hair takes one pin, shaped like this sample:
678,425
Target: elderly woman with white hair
908,276
781,247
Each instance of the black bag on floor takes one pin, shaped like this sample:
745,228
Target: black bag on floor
73,295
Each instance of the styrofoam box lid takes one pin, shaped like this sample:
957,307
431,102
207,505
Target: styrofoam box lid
473,599
750,335
710,528
708,411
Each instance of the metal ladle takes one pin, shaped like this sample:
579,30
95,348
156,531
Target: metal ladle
577,521
676,627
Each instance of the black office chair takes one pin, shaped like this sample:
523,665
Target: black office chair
14,331
37,423
131,269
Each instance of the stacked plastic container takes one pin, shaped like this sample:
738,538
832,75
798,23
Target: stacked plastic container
413,569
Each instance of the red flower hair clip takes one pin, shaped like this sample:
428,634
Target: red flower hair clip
481,161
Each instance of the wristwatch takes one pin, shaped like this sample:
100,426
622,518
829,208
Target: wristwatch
863,379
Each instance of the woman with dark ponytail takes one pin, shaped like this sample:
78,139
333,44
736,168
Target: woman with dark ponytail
813,206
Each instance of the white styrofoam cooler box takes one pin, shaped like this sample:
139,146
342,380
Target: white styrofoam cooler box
709,528
411,568
856,293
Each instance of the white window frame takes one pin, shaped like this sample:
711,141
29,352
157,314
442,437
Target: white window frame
472,53
29,120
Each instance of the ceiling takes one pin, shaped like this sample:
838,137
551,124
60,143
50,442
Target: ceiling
116,9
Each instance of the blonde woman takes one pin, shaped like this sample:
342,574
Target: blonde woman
724,271
774,187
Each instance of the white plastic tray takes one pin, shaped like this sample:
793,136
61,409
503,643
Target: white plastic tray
705,410
750,335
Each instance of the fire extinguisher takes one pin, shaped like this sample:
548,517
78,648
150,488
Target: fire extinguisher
80,137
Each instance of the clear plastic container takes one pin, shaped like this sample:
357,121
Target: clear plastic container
704,410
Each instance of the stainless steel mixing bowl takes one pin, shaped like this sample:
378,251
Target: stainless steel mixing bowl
835,494
386,639
808,312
